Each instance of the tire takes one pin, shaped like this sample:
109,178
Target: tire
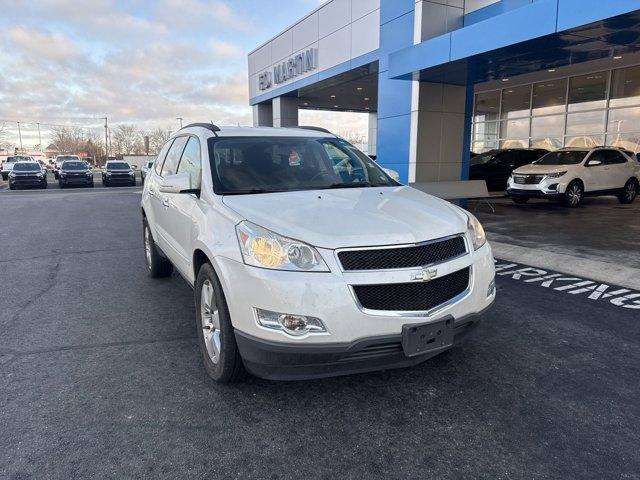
105,183
573,195
629,192
61,185
5,177
520,200
157,265
90,185
218,347
44,186
12,187
133,184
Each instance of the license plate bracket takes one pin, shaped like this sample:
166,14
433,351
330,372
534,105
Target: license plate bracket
427,337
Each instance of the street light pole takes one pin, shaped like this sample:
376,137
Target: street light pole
180,120
20,135
106,139
39,138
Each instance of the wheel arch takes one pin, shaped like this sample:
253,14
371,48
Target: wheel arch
202,255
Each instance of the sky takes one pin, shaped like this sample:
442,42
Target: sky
137,61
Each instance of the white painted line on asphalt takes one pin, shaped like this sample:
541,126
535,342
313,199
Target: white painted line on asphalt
595,269
560,282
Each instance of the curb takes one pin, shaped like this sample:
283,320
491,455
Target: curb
593,269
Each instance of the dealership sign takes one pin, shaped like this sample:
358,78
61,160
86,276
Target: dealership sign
301,63
592,290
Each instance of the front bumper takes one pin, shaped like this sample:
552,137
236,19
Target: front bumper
84,180
551,188
27,182
120,179
283,361
350,329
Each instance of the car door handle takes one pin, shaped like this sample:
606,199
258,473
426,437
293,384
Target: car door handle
151,193
165,202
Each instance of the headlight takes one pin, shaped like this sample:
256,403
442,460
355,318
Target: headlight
39,175
89,173
12,175
108,174
555,175
263,248
478,237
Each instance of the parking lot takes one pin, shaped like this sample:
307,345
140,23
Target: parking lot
100,376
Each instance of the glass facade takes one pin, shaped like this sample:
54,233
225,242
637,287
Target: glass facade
580,111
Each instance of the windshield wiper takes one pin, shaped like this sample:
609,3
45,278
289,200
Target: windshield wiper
350,185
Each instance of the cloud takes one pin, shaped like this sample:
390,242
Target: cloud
215,14
224,50
43,46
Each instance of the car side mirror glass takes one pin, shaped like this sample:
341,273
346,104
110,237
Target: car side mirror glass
594,163
178,183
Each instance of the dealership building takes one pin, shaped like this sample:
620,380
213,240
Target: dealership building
442,78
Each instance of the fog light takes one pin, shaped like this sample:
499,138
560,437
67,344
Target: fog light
492,288
553,187
289,323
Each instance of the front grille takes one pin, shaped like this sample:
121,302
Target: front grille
403,257
527,179
415,296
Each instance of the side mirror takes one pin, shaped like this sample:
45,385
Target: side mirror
594,163
178,183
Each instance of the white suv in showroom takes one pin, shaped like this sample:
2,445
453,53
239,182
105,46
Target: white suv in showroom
306,259
569,174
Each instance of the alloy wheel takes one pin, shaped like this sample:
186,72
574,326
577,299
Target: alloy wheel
630,192
210,318
575,195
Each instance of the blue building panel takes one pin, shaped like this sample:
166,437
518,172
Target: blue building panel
394,138
392,9
434,52
394,35
494,10
573,13
531,21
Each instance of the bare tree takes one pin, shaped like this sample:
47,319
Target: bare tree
4,131
67,139
157,138
127,140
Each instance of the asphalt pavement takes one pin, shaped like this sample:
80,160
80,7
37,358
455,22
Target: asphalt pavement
100,376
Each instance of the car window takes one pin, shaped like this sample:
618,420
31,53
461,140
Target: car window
269,164
117,166
173,157
613,157
74,165
162,156
563,157
27,167
190,161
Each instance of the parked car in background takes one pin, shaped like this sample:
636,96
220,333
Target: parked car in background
60,159
43,165
145,169
75,173
570,174
495,166
117,172
8,164
27,174
306,267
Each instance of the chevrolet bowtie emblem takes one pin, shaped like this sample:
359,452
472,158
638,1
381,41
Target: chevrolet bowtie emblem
425,275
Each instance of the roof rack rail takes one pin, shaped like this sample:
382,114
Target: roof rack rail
311,127
208,126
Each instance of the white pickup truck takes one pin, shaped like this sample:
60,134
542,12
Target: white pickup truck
7,165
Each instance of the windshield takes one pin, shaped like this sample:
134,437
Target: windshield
67,157
483,158
26,167
275,164
74,165
118,166
563,157
19,159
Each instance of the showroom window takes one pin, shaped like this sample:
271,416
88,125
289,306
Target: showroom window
601,108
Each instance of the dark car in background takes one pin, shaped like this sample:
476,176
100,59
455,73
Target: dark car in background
75,173
117,172
27,174
495,166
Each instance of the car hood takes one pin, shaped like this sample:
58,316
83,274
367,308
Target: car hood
352,217
533,168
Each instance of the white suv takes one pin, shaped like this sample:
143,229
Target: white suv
307,260
569,174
